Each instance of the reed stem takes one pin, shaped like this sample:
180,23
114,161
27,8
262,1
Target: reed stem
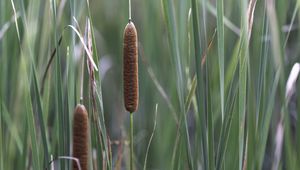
129,3
131,141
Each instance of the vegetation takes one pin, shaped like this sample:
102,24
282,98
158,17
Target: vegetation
217,84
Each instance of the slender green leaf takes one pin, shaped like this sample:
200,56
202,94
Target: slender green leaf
220,35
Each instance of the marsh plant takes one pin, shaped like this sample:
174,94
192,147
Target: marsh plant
188,84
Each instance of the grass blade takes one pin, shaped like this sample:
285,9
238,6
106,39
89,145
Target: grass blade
60,111
200,86
1,135
173,41
220,35
40,115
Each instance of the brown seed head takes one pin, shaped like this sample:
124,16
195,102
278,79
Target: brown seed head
130,68
80,137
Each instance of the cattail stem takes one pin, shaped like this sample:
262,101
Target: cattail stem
129,9
81,80
131,141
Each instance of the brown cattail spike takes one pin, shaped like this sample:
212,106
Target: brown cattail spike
130,68
80,137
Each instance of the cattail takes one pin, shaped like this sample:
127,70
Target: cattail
130,68
80,137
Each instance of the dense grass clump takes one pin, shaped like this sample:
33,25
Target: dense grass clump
213,84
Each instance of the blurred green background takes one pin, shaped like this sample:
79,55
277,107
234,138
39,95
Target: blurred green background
191,133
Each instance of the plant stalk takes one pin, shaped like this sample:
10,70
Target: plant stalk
131,141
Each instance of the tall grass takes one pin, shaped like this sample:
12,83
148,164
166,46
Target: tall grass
219,102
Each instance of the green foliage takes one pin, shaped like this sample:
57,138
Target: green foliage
218,102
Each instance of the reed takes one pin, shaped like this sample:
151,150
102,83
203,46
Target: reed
130,75
226,102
